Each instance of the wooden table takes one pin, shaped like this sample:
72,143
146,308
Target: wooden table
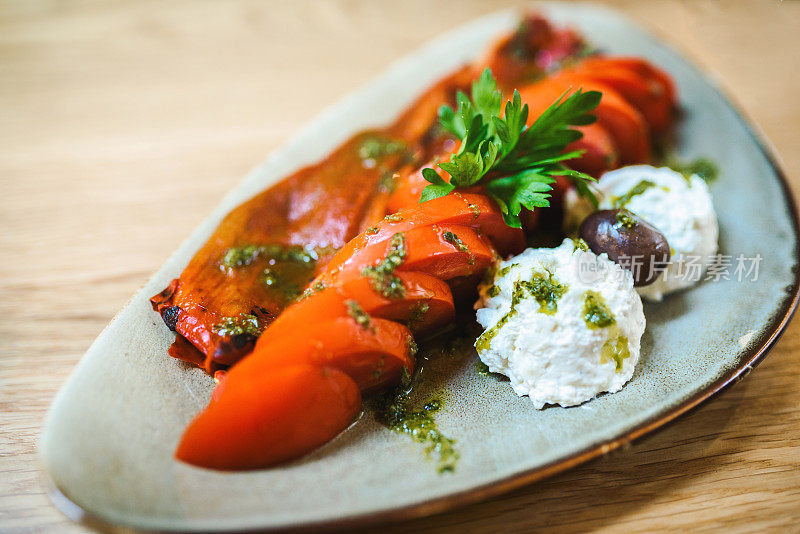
122,124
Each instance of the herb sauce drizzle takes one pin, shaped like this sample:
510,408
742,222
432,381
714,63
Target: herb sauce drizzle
382,277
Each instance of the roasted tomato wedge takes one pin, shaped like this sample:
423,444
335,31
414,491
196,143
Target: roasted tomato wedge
442,250
267,418
620,119
409,189
645,94
599,151
642,68
474,211
372,353
426,304
447,251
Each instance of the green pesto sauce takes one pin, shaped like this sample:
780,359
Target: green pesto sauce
476,211
419,312
413,349
637,190
493,291
240,256
358,314
285,282
505,270
394,217
387,182
625,218
376,147
288,268
244,323
395,412
545,289
372,230
615,349
382,277
596,312
456,241
484,340
482,369
707,170
236,257
316,288
580,244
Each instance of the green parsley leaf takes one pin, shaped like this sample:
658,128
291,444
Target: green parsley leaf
517,164
438,187
529,188
487,98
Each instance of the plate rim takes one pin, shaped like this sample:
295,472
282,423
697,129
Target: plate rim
752,357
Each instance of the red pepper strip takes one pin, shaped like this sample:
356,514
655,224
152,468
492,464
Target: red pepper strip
263,419
642,68
427,250
599,152
624,122
475,211
371,354
422,292
646,94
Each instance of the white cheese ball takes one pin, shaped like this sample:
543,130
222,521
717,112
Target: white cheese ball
679,207
551,353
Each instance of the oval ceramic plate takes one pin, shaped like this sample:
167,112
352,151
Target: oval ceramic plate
111,432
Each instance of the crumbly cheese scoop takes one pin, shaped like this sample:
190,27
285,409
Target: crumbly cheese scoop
563,324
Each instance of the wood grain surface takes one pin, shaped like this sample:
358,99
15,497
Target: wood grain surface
123,123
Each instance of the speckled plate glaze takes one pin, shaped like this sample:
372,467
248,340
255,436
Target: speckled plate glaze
109,437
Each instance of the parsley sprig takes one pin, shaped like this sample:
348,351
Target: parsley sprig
517,164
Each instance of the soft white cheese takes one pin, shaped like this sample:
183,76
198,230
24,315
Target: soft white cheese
680,208
550,353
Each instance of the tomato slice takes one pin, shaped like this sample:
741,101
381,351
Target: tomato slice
447,251
621,120
642,68
646,95
409,189
372,355
465,209
442,250
422,293
426,306
264,419
599,151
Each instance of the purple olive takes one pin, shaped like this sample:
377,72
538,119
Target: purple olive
629,241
